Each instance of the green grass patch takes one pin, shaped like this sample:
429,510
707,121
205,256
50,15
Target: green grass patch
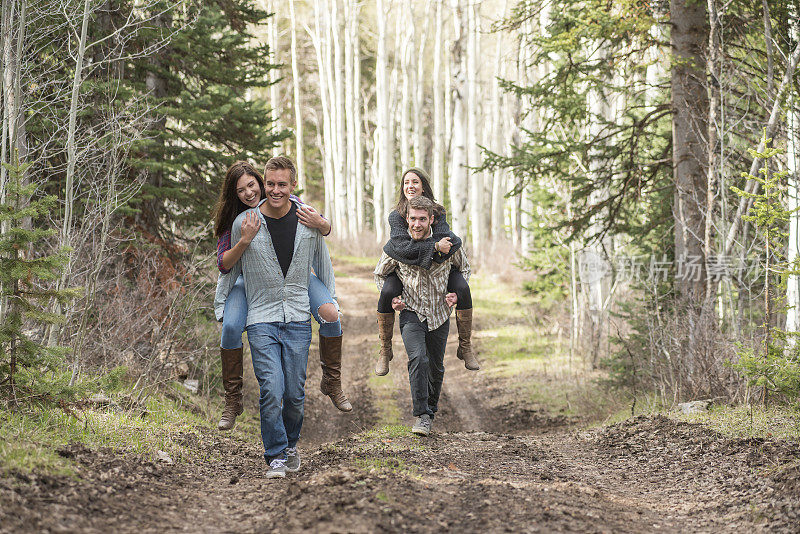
781,422
391,431
495,300
391,464
383,389
31,437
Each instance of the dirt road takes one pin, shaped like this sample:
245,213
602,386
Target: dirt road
485,468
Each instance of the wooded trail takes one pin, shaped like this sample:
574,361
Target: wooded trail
485,468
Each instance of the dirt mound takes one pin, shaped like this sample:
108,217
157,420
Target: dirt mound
739,479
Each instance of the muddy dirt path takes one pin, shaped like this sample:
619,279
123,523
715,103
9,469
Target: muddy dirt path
483,470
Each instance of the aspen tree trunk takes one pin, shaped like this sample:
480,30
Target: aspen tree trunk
323,61
531,123
513,139
447,141
298,103
714,54
65,238
496,132
689,39
437,170
406,38
388,176
351,126
418,123
6,16
7,101
793,166
383,145
476,207
458,157
358,163
340,178
272,41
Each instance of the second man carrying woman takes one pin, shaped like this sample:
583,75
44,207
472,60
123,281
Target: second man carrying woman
441,246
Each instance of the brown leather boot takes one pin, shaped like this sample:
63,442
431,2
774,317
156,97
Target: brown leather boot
385,332
232,382
330,356
464,351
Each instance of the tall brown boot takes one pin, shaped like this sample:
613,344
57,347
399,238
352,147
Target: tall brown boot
232,382
385,332
330,356
464,351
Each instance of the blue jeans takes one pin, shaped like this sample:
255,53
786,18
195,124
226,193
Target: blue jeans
280,356
234,317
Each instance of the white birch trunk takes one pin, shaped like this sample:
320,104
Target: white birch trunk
448,112
437,170
475,178
793,166
406,38
65,238
298,116
340,177
272,41
358,162
459,151
531,123
418,123
322,62
351,126
383,141
496,130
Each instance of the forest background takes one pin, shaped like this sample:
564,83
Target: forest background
639,158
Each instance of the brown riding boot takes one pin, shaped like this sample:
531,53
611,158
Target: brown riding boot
330,356
385,332
232,382
464,351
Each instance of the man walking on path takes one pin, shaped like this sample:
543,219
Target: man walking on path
276,269
424,307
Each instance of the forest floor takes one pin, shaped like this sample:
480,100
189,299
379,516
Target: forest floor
500,459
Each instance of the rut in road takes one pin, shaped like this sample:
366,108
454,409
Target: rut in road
473,474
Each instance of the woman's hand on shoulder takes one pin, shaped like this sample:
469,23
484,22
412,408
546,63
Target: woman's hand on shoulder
250,225
443,245
310,217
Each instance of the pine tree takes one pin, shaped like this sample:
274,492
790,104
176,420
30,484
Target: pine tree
25,278
200,86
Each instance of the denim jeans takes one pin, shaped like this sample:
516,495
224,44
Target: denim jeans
425,361
318,295
280,356
234,317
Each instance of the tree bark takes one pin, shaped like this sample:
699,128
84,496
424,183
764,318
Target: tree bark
272,40
476,204
298,116
340,178
690,106
793,166
459,151
437,170
383,142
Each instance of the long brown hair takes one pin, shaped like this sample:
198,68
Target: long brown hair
228,205
427,191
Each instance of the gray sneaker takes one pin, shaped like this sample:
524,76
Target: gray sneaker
422,426
292,459
277,468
